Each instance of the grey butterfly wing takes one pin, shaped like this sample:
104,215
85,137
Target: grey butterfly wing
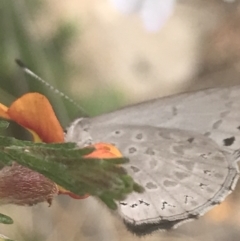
184,172
213,112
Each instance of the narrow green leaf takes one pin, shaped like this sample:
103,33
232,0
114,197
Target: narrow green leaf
3,124
66,165
5,219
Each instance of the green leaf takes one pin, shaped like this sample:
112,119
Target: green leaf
66,165
3,124
5,219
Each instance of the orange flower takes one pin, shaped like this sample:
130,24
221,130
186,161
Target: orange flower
34,112
20,185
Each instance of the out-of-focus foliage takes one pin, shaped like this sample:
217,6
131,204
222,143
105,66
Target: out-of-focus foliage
4,238
21,38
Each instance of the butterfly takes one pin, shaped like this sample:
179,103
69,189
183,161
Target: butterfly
183,150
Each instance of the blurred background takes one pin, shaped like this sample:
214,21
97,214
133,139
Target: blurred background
104,59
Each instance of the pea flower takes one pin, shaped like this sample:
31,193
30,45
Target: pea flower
154,13
20,185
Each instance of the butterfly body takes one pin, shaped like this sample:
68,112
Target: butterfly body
182,150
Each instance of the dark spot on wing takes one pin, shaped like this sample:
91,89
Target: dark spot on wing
190,140
207,133
139,136
202,185
187,199
132,150
135,169
215,203
207,172
164,203
151,185
217,124
169,183
229,141
143,202
123,203
224,114
150,151
133,205
181,175
174,110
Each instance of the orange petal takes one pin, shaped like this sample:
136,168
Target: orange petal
104,150
3,112
34,112
63,191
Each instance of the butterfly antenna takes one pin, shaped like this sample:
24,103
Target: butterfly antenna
31,73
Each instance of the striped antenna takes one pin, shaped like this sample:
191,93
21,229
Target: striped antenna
31,73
